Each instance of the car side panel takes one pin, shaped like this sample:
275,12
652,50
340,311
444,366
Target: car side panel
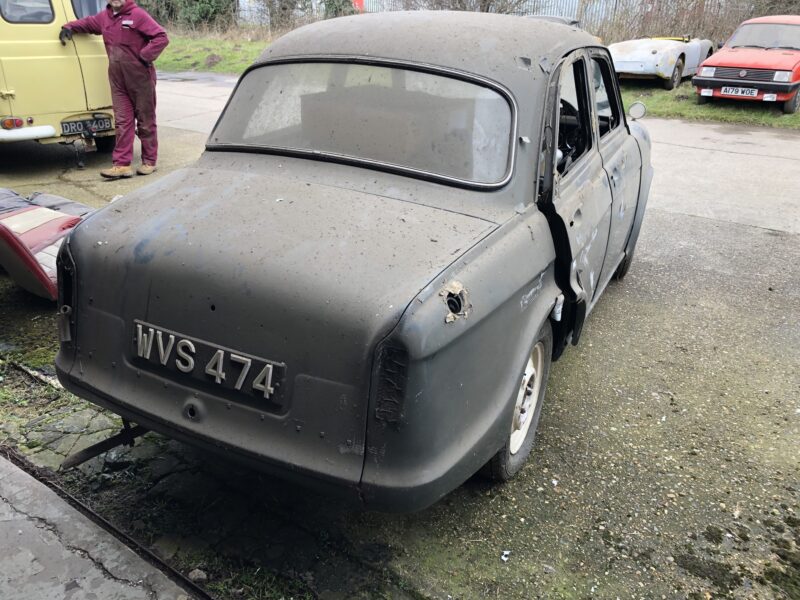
622,164
642,137
461,380
692,53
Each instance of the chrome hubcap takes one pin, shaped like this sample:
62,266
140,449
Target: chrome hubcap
527,398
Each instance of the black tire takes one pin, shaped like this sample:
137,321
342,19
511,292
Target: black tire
106,143
505,464
702,99
624,266
792,104
676,77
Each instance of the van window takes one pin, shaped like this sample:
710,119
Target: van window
26,11
84,8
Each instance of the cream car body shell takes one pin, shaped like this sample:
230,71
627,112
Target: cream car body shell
656,57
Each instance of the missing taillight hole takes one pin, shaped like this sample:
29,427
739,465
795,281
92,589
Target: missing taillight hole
456,299
454,303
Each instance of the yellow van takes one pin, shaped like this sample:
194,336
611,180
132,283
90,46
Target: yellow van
50,92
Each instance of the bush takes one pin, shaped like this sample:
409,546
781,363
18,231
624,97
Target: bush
192,13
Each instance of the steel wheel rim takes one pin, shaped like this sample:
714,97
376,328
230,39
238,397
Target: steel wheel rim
527,398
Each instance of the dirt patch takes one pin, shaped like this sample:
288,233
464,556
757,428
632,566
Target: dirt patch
212,60
718,573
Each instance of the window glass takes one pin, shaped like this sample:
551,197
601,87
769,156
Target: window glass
409,119
84,8
608,113
574,124
26,11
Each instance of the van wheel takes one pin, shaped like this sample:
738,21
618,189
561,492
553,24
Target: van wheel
527,408
791,105
106,143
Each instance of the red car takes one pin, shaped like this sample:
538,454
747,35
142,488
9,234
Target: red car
761,61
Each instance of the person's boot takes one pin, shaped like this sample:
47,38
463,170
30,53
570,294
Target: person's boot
117,172
146,169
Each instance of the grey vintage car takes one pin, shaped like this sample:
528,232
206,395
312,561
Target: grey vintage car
398,222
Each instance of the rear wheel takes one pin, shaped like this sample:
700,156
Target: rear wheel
702,99
792,104
527,408
676,77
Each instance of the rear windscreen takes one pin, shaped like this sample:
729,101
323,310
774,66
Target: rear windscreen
409,119
26,11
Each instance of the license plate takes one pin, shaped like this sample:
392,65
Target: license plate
86,126
216,366
737,91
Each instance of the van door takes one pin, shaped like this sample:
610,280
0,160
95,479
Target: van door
44,75
91,54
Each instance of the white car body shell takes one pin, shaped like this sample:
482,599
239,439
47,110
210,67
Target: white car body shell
656,57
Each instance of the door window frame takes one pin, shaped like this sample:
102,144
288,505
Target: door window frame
614,95
585,108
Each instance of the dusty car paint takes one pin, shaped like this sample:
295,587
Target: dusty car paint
396,307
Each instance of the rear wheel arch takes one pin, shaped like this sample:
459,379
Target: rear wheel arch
527,408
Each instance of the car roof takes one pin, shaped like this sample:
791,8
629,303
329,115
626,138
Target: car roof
504,48
784,19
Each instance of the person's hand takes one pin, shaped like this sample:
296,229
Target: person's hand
66,34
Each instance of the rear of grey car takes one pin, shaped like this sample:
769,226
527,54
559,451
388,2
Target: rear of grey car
354,286
247,313
254,306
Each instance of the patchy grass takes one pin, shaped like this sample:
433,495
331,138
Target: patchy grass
28,331
681,103
211,52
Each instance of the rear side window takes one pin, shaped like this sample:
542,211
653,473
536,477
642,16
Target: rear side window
574,119
85,8
26,11
608,111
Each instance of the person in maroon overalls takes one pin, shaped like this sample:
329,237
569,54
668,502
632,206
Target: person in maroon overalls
133,41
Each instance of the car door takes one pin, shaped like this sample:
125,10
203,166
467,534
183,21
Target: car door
91,54
574,192
621,159
44,75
